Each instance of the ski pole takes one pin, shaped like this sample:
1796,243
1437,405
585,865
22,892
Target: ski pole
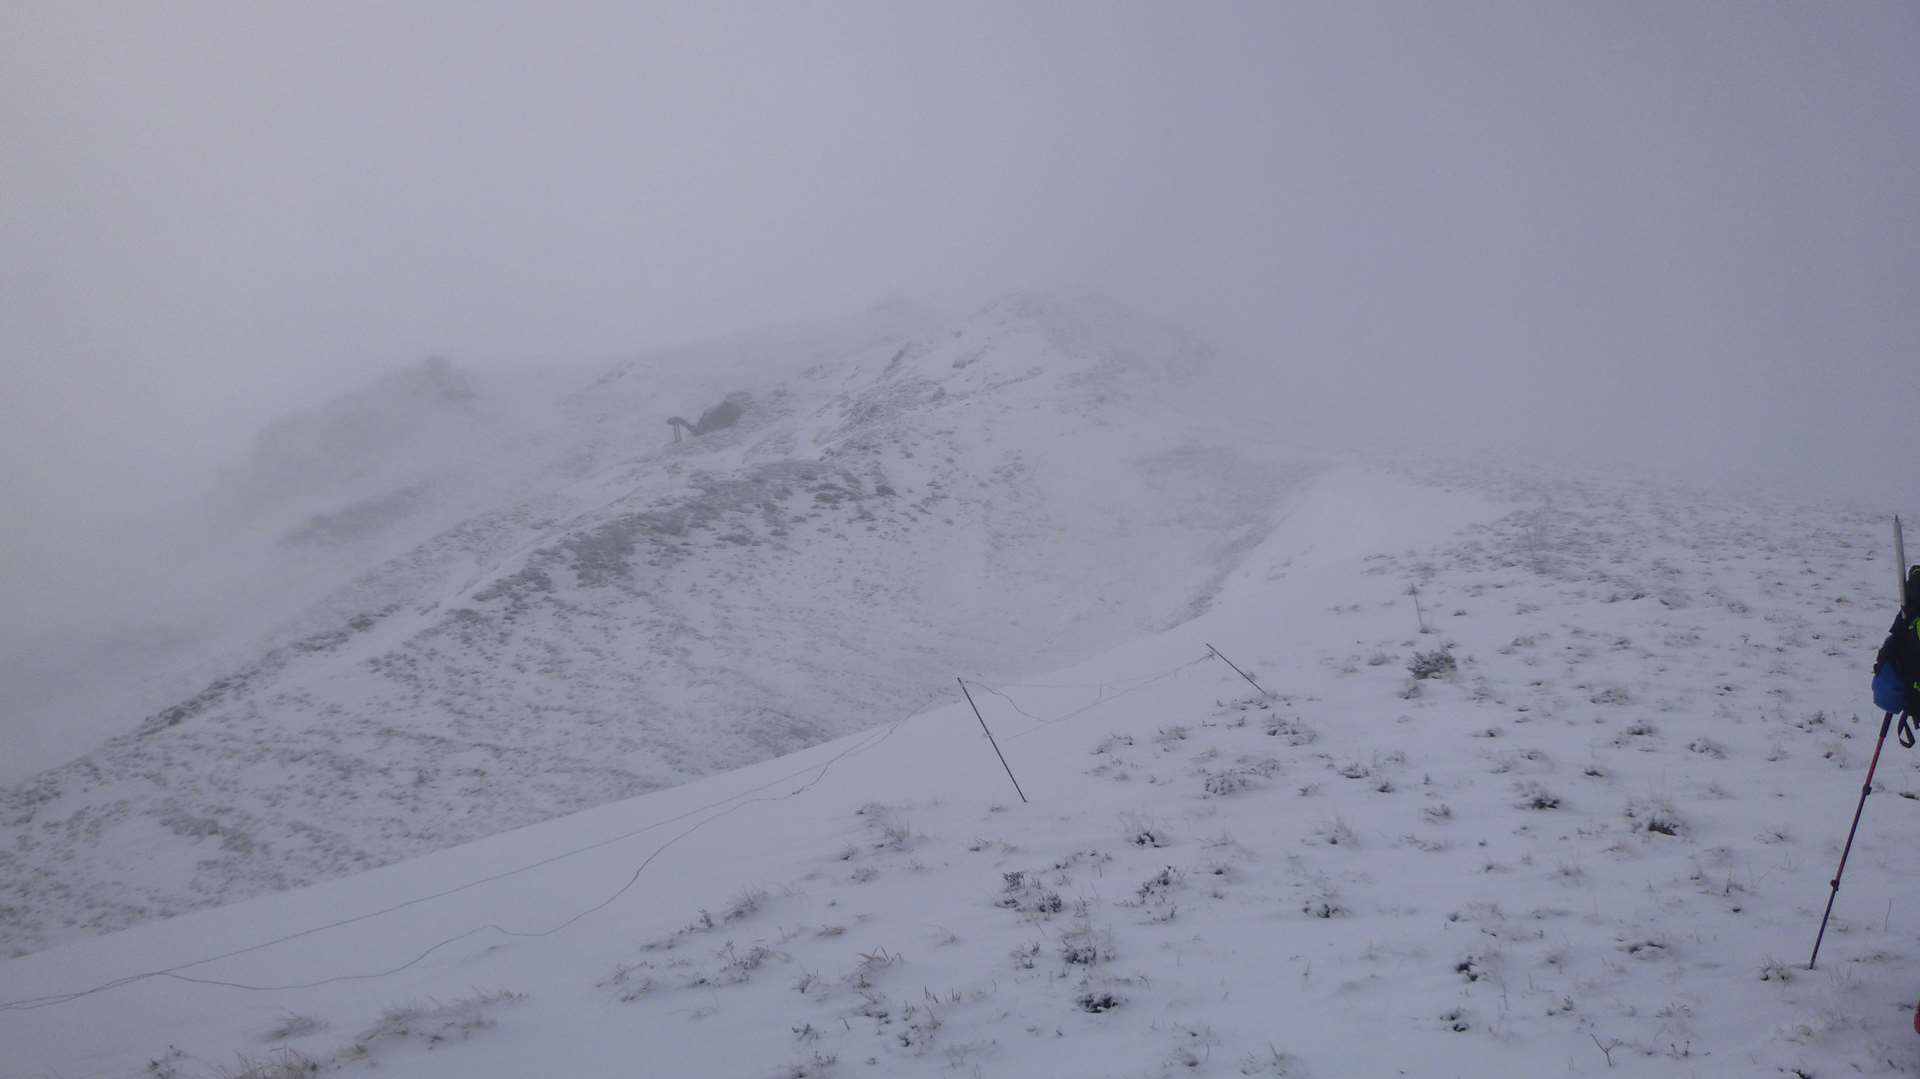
1866,789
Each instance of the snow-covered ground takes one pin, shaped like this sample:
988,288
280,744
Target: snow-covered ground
493,608
1595,842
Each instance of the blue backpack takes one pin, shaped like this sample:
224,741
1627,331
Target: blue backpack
1888,694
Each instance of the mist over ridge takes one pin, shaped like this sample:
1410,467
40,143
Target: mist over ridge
556,538
1681,243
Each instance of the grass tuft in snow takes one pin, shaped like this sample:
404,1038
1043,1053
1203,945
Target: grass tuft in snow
435,1024
1230,781
1273,1063
1707,747
1537,796
871,965
890,829
1335,832
737,968
292,1025
1098,1000
1022,892
1323,899
1084,945
1292,731
1159,884
744,904
167,1064
817,1065
279,1064
1655,816
631,988
1438,663
1145,831
1026,955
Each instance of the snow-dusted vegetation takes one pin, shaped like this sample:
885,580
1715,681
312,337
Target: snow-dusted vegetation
1595,842
559,605
998,539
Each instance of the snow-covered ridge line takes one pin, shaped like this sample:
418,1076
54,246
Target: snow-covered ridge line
1591,840
616,612
744,789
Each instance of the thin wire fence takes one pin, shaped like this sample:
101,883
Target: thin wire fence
1107,692
741,800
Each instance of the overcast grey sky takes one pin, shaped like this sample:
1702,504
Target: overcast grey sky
1667,229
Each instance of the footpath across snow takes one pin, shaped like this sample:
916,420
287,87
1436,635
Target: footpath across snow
1551,779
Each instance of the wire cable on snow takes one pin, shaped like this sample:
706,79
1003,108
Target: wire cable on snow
741,800
1129,682
1104,696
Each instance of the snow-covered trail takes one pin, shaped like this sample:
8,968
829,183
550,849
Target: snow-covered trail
1598,845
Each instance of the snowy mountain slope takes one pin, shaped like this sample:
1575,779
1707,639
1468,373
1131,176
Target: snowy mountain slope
1599,845
288,527
442,473
609,613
